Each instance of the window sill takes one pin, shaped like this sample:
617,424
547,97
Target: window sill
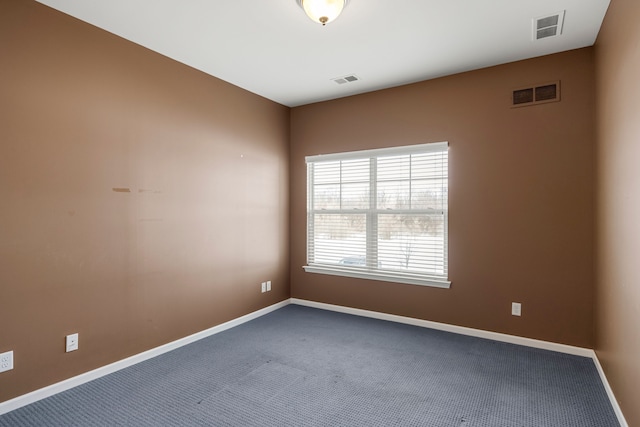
395,277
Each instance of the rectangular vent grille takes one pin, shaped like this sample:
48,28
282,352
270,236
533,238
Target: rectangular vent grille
546,93
538,94
548,26
346,79
523,96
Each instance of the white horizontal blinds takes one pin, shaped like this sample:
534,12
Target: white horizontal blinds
380,210
340,194
412,208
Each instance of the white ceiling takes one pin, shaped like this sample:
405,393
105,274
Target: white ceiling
271,48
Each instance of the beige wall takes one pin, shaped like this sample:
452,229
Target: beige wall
618,279
206,220
521,207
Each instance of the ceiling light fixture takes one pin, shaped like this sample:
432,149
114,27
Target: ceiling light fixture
322,11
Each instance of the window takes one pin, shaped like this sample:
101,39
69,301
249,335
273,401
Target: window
380,214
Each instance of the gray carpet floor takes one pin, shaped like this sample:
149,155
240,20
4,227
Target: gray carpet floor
300,366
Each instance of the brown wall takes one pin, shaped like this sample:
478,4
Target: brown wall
521,207
206,220
618,279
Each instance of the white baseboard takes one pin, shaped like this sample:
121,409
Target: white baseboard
528,342
45,392
612,397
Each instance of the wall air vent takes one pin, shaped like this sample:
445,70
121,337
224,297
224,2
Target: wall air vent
548,26
534,95
346,79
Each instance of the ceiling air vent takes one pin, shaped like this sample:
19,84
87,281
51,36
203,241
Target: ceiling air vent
548,26
538,94
346,79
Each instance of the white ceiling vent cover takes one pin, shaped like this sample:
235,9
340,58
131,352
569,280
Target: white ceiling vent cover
548,26
346,79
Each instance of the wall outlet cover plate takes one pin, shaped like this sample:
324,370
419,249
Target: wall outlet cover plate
6,361
516,309
72,342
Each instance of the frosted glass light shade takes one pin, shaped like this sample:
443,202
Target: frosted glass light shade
322,11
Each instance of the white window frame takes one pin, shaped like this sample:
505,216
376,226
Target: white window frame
371,271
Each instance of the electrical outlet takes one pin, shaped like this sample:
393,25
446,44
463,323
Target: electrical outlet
268,285
264,287
6,361
72,342
516,309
